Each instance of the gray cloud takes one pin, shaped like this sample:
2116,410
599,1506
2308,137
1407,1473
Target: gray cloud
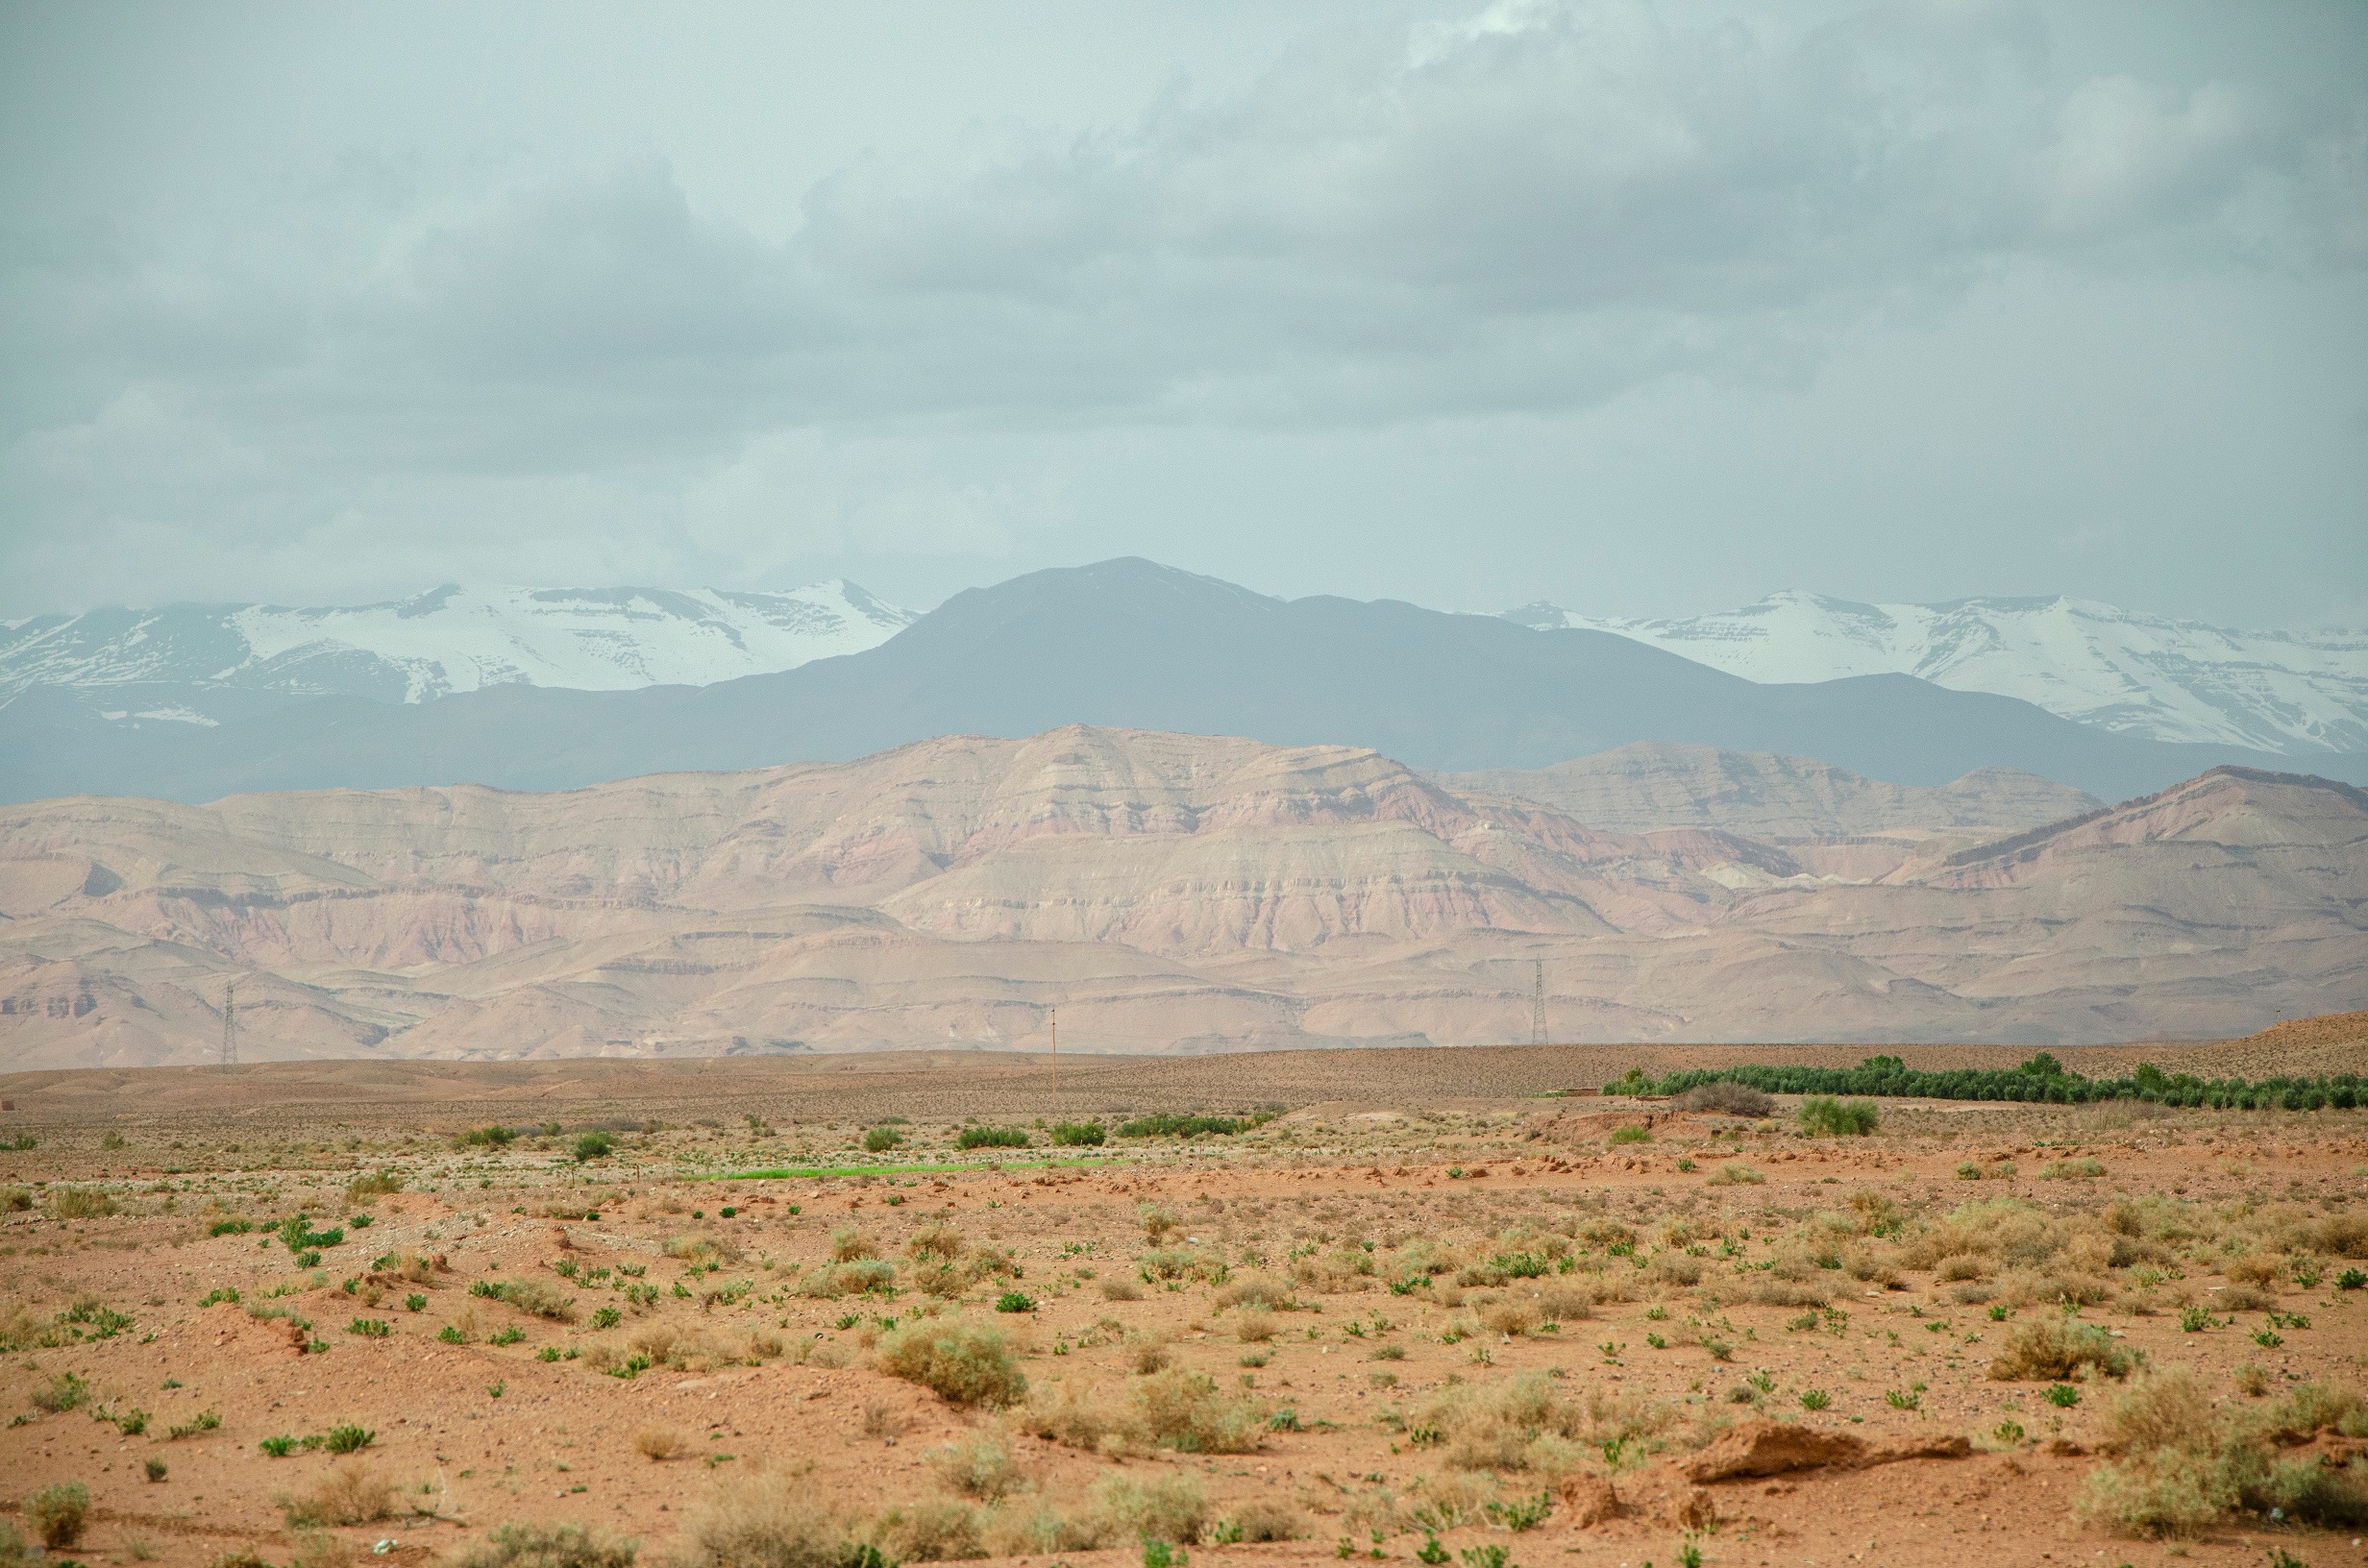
1519,212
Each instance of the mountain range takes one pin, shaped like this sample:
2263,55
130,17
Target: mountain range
2296,693
201,664
1123,644
1169,892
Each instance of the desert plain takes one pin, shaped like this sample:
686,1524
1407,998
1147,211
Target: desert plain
1454,1306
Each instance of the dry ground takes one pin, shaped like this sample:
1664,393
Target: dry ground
1420,1289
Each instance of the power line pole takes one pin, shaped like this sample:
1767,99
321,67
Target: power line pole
230,1025
1536,1010
1057,1060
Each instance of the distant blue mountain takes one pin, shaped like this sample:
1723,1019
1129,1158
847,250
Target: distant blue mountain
1130,643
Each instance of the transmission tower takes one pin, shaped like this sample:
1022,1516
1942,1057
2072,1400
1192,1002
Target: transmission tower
230,1025
1536,1008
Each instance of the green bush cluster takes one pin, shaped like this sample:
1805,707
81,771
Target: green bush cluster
1193,1126
991,1138
2042,1080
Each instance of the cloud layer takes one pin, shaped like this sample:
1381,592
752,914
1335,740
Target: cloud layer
1518,212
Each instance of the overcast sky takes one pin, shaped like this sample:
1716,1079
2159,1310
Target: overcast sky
1639,310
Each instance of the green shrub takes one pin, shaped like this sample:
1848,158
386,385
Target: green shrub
1192,1126
492,1136
991,1138
348,1439
1078,1135
880,1139
1630,1135
1014,1300
1824,1117
962,1363
594,1146
58,1513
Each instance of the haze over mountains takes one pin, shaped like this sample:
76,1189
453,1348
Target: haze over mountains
1123,644
1165,891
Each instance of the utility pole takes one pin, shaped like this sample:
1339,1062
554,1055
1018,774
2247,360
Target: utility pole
1057,1060
1536,1010
230,1025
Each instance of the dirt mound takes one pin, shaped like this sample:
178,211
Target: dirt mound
2325,1029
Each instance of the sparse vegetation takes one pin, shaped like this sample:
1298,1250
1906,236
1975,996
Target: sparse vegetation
569,1545
991,1138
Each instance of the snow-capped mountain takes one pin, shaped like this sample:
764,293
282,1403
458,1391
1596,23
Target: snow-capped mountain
198,663
2146,675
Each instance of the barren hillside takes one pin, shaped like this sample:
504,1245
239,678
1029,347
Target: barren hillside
1165,891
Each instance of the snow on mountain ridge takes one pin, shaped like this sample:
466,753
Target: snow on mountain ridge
451,639
2149,674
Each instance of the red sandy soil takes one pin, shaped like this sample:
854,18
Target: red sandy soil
477,1435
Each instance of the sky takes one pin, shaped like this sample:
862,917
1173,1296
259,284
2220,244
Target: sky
1637,309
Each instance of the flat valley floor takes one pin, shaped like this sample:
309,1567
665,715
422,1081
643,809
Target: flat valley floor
1429,1309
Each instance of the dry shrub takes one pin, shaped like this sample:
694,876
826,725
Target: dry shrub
1073,1417
1166,1506
350,1493
2180,1461
2344,1235
963,1362
860,1277
2244,1298
1510,1317
934,1529
539,1297
1736,1174
569,1545
1727,1097
1263,1519
1252,1289
404,1269
1122,1290
2056,1348
1676,1269
1960,1265
687,1347
1255,1327
847,1243
2309,1408
1188,1413
762,1519
58,1513
936,1241
1148,1354
981,1466
661,1443
1041,1530
2257,1268
79,1203
1566,1303
1770,1290
1526,1423
700,1247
